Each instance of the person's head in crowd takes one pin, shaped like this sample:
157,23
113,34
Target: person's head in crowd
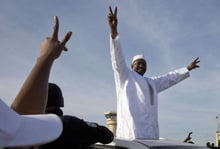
27,130
55,100
208,144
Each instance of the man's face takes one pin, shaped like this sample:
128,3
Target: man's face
139,66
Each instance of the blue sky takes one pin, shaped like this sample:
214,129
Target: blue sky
170,33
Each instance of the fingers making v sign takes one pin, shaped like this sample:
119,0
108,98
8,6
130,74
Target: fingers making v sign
113,22
51,45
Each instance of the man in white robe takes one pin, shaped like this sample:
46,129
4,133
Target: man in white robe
137,96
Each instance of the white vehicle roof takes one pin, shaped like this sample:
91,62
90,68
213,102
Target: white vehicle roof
147,144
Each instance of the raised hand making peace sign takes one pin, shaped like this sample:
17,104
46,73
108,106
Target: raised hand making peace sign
113,22
51,45
32,97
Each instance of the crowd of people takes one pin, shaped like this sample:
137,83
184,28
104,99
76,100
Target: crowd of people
37,108
212,145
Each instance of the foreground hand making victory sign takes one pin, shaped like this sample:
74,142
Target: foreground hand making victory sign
32,97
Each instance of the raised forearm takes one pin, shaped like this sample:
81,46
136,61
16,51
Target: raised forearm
34,89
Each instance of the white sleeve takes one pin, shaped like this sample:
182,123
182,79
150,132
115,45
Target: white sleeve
171,78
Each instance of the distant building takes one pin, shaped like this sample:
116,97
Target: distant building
217,134
217,138
111,120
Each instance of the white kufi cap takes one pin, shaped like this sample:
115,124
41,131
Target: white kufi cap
139,56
